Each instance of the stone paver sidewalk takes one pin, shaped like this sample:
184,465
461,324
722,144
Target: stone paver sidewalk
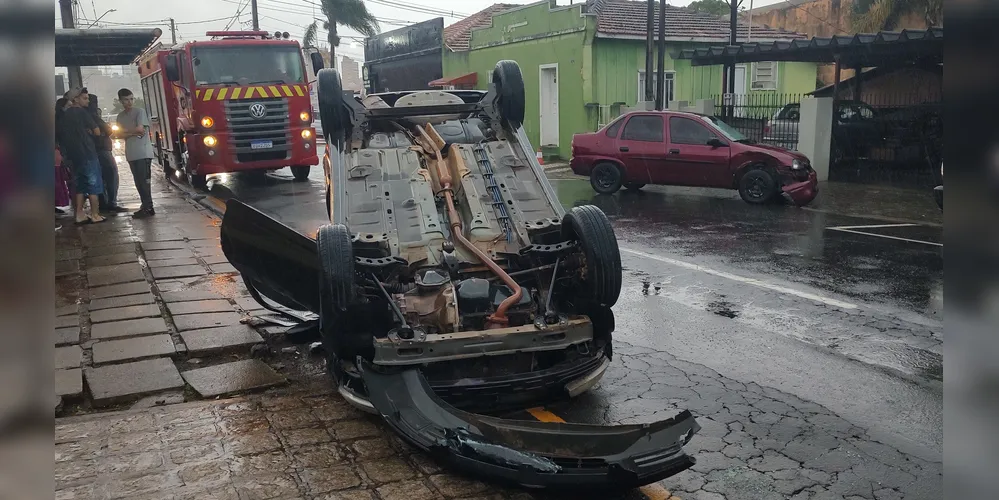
142,306
310,446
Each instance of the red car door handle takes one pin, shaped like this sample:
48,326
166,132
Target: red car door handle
674,151
624,149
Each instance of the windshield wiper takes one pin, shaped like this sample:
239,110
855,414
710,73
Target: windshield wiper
264,82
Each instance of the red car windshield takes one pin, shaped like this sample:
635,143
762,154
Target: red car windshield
727,130
247,65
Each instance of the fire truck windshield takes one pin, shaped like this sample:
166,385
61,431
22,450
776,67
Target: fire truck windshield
247,64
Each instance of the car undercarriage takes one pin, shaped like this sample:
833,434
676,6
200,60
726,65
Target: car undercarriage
450,280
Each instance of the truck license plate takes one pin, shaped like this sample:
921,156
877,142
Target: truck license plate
261,144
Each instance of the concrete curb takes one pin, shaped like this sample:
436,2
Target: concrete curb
213,204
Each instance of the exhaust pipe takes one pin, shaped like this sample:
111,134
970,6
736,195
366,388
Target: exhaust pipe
497,319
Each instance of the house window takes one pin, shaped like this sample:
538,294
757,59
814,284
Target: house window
765,75
669,77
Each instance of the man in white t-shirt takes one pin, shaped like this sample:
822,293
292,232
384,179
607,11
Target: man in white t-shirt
133,126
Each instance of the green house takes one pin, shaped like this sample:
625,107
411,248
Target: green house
581,63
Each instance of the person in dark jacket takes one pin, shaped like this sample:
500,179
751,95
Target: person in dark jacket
109,168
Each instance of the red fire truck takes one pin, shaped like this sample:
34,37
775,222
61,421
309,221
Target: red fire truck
235,103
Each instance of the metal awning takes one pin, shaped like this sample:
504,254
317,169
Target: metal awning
466,79
885,48
96,47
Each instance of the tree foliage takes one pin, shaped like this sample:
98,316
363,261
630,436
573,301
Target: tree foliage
869,16
350,13
716,7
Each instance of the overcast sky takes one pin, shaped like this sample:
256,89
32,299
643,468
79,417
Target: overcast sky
195,17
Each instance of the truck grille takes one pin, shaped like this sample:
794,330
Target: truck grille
245,129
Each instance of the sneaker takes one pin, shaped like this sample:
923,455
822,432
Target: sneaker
142,213
117,209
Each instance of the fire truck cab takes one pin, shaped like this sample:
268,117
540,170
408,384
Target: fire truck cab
235,103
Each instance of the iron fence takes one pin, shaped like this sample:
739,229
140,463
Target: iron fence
768,118
891,138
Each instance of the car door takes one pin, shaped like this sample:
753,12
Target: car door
642,146
691,161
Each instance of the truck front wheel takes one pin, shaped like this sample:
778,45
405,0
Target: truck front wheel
301,172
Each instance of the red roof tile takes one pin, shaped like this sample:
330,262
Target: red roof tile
458,35
624,17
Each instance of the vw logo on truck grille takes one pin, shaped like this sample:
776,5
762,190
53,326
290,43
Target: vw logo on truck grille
258,110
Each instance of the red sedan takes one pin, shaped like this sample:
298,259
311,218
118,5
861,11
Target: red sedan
688,149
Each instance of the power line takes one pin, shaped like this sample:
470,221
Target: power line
396,22
161,21
427,10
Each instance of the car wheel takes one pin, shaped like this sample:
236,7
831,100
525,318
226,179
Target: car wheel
606,178
601,275
333,113
757,186
301,172
510,86
198,181
634,186
336,256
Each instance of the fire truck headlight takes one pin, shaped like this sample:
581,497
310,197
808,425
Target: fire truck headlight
307,133
304,116
210,141
207,122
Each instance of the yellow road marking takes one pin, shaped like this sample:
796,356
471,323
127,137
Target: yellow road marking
545,415
654,491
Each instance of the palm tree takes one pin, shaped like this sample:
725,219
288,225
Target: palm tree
870,16
350,13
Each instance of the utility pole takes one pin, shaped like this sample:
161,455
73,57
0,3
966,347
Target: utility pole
173,32
730,67
661,59
256,20
649,30
68,21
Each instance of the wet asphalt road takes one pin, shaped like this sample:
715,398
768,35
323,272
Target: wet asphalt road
781,330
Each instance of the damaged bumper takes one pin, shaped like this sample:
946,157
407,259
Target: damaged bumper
802,193
528,453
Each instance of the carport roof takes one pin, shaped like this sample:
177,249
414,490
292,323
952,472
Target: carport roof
96,47
885,48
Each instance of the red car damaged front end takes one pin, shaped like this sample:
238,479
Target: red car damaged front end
801,193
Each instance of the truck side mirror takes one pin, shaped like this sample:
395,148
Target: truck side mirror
317,62
172,68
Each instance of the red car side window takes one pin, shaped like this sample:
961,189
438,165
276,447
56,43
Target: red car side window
612,130
687,131
645,128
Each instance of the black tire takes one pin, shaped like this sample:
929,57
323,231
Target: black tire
634,186
301,172
606,178
509,83
198,181
333,113
590,227
336,255
336,288
757,186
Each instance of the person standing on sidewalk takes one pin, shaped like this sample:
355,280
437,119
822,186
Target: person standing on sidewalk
109,168
133,125
77,141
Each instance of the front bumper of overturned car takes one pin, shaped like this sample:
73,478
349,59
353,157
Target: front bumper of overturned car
500,393
529,453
